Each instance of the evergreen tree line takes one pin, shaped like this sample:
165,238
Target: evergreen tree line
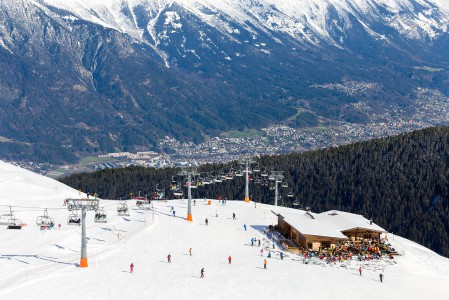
400,182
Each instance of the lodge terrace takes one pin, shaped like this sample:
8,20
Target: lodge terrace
326,230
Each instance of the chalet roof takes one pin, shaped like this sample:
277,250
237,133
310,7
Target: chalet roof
328,224
344,221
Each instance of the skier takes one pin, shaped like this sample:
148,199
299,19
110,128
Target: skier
194,202
131,268
169,258
269,254
202,273
244,226
229,259
282,255
273,245
252,241
259,242
261,252
360,271
264,263
207,222
381,276
174,213
190,251
233,216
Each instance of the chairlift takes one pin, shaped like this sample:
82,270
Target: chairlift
122,208
74,219
45,220
100,216
14,223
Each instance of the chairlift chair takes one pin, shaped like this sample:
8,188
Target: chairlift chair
239,173
45,220
290,194
122,209
284,184
264,173
296,202
4,219
74,219
100,216
178,193
256,168
14,223
146,205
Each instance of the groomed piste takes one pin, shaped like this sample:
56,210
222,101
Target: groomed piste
40,263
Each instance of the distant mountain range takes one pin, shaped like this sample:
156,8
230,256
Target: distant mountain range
87,76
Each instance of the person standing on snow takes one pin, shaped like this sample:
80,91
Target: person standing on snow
381,276
202,273
190,251
207,222
244,226
169,258
261,252
174,213
360,271
233,216
269,254
282,255
265,264
259,242
252,241
229,259
131,268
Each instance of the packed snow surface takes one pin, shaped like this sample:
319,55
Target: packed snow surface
36,264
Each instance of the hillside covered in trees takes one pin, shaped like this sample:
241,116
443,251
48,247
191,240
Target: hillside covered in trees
400,182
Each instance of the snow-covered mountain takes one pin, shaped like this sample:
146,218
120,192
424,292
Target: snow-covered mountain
140,62
43,264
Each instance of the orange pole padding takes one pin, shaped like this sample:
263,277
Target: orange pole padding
189,217
209,202
246,199
83,263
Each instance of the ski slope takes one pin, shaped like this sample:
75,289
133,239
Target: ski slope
37,264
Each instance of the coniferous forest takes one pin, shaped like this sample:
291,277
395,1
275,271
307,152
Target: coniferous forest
401,183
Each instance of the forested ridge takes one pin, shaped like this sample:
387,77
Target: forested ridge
400,182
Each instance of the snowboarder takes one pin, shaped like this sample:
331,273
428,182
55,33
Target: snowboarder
264,263
229,259
131,268
190,251
233,216
202,273
381,276
169,258
282,255
207,222
360,271
244,226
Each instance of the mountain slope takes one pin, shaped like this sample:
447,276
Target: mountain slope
43,262
118,75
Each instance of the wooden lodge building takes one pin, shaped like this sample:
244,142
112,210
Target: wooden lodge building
324,230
